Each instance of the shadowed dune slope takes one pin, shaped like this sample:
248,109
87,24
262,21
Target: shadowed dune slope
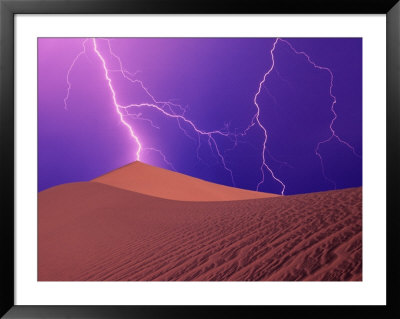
91,231
159,182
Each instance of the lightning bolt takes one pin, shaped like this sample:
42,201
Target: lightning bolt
166,108
114,98
69,71
333,134
256,119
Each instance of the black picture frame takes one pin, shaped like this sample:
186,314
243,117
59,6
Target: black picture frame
8,10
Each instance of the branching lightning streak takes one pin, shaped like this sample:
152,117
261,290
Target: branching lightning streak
166,108
208,134
162,155
335,116
69,71
116,105
256,119
129,76
140,118
171,114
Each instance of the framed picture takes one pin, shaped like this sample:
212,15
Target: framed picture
173,159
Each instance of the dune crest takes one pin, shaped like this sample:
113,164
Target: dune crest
149,180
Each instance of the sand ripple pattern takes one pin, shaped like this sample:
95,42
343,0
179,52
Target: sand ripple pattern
95,232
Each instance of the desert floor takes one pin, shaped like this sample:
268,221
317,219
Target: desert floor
96,232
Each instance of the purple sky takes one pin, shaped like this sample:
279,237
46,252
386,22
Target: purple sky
210,85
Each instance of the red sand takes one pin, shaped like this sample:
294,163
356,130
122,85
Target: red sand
158,182
92,231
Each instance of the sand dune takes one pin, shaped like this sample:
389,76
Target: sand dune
92,231
154,181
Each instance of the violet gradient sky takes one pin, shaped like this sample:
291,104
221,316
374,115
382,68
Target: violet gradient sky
216,81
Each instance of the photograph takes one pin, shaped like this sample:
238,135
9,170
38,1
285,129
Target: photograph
199,159
175,159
